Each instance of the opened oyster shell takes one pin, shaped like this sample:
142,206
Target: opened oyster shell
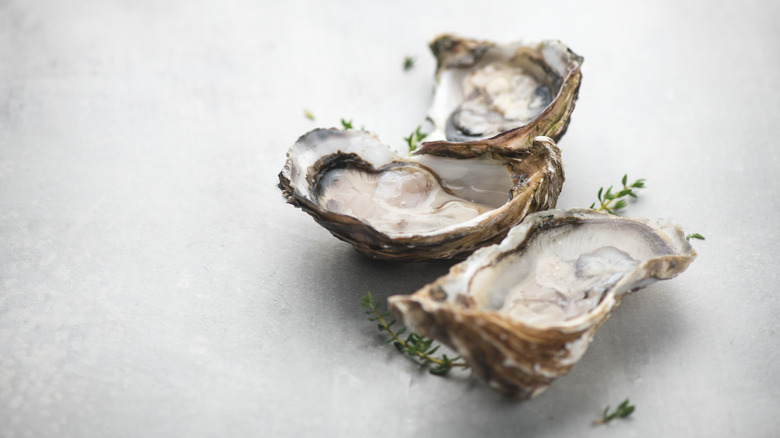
484,89
523,312
435,205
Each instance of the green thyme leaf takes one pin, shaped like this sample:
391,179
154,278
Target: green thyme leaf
414,138
408,63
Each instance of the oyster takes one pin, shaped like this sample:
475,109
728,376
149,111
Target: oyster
523,312
441,203
484,89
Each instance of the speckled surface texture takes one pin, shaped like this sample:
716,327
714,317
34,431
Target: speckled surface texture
154,283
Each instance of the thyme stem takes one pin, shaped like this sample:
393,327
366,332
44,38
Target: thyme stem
623,410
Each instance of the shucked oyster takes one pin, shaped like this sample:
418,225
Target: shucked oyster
438,204
484,89
523,312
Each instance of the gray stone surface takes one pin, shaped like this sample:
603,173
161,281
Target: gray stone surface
154,283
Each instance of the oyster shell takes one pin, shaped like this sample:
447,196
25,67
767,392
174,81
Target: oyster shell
441,203
523,312
484,89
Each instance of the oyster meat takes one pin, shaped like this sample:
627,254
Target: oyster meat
523,312
484,89
437,204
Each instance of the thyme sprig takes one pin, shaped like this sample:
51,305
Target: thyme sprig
694,236
605,199
415,345
622,411
414,138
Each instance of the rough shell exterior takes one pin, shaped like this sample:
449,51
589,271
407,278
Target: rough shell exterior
513,357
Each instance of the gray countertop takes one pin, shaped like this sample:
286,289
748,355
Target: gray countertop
154,283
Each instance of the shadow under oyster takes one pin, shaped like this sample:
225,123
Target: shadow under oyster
523,312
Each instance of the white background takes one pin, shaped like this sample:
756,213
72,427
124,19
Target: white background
154,283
